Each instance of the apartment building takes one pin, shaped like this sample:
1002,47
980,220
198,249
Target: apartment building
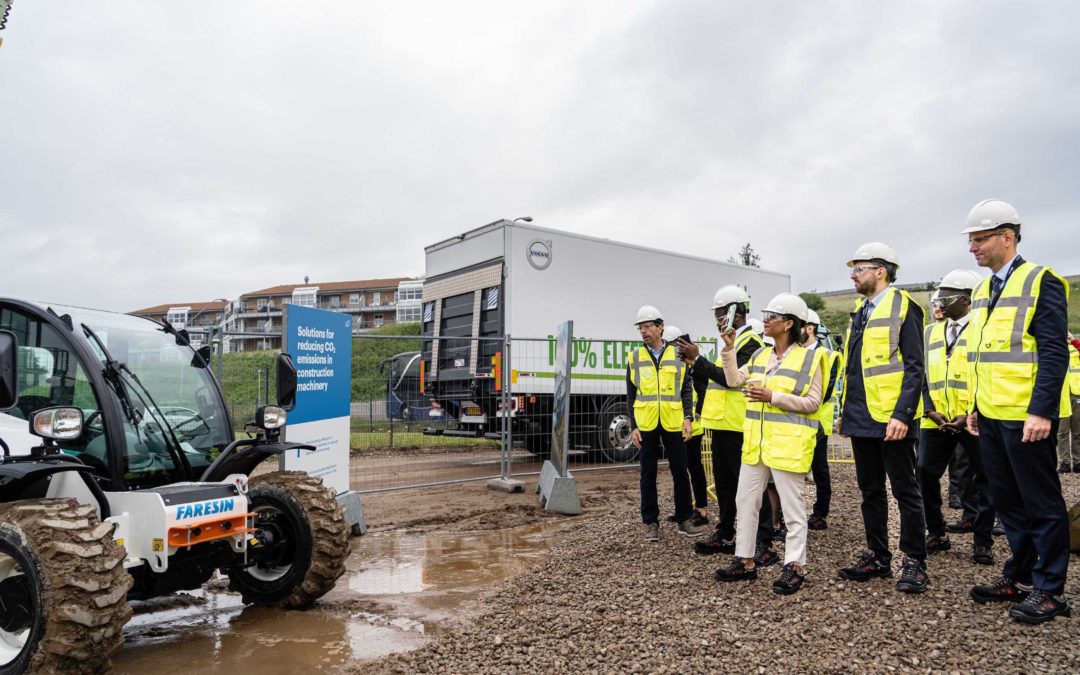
253,321
200,319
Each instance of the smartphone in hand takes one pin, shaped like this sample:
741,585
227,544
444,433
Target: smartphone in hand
728,321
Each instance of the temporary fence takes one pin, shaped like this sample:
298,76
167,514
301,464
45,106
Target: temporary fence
429,411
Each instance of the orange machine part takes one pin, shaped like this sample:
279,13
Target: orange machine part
210,530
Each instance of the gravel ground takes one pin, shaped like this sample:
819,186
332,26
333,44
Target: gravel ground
605,601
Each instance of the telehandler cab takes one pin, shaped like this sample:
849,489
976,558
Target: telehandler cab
120,479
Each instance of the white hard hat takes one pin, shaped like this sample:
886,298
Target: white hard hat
874,250
671,333
934,296
812,317
964,280
726,295
788,303
756,326
648,313
990,214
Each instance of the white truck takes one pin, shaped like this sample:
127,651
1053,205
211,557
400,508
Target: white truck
514,279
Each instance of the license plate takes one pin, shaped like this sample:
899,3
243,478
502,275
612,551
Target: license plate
473,411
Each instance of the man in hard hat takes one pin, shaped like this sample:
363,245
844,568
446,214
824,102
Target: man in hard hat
944,423
958,466
722,415
698,484
882,399
1020,392
1068,445
830,369
661,396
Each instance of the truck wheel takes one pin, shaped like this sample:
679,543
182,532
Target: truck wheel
63,588
614,440
301,543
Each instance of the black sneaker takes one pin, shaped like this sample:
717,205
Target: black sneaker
954,503
960,526
736,571
817,523
1039,607
867,567
913,576
779,533
938,543
699,519
982,555
765,556
789,581
999,529
1002,590
1064,468
715,544
688,528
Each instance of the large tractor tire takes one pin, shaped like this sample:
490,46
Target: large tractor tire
303,541
63,588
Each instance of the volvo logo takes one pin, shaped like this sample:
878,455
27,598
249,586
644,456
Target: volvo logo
539,253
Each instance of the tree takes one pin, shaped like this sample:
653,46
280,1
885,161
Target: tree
746,256
813,300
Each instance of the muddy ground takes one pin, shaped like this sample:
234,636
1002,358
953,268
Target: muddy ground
602,600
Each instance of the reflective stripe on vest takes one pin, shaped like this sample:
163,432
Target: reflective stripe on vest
725,408
1074,370
778,438
827,412
882,362
946,374
1003,354
659,399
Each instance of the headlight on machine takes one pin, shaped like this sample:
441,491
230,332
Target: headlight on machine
57,424
270,417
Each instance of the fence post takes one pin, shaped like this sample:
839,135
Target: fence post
504,482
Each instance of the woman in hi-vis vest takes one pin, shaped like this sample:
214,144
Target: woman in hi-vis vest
783,388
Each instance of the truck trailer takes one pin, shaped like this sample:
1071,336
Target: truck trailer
503,286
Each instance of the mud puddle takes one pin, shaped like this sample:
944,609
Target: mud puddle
398,589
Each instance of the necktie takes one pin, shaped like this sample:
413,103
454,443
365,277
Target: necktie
995,288
864,314
954,332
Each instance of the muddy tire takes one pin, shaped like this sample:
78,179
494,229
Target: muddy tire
308,539
63,588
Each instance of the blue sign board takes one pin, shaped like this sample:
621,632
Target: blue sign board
320,343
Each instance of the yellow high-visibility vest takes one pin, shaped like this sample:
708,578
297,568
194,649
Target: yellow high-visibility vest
659,399
1003,355
1074,370
725,408
827,411
882,362
947,374
780,439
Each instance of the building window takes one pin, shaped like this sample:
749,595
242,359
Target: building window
335,300
377,320
354,299
408,313
304,297
178,316
376,298
261,304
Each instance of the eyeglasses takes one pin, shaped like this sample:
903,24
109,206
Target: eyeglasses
766,317
982,239
859,269
943,301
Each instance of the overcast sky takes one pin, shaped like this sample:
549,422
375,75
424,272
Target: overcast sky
156,152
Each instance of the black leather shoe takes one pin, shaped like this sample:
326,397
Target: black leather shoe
765,557
913,576
999,529
867,567
1064,468
789,580
736,571
1039,607
954,502
817,523
960,526
1002,590
715,544
939,543
982,555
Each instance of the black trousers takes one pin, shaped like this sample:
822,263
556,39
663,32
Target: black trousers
1026,492
676,455
876,458
936,449
726,464
822,480
697,472
959,474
